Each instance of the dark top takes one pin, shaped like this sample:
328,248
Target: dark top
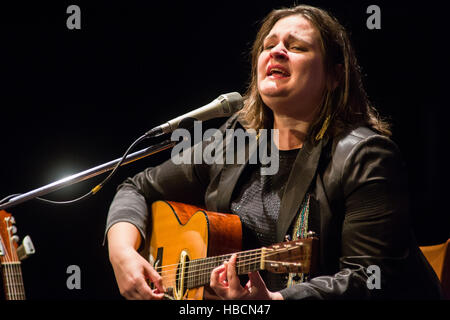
256,200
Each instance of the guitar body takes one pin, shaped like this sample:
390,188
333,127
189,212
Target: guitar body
181,233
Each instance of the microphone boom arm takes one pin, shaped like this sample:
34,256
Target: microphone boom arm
87,174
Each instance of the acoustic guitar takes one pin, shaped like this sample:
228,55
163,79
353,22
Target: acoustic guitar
10,262
188,242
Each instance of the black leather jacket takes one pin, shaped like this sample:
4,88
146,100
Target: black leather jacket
357,188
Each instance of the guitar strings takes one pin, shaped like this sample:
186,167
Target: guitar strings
240,265
16,271
13,274
13,281
212,259
242,262
197,273
13,289
208,262
7,273
202,276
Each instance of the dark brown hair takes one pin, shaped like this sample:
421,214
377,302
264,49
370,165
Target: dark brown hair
344,107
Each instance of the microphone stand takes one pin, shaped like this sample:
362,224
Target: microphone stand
87,174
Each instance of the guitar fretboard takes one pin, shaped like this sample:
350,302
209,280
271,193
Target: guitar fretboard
198,271
13,281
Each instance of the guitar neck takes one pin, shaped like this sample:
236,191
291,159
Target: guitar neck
10,263
13,281
199,271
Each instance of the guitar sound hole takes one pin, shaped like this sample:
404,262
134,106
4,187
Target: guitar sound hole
182,275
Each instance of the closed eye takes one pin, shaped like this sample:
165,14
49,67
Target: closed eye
268,47
298,48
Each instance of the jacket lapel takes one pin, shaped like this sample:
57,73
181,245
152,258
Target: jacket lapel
231,173
302,173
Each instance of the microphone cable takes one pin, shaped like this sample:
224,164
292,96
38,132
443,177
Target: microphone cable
101,184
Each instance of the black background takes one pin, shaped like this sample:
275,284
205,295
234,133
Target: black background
74,99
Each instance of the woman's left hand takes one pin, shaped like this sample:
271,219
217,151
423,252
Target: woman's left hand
225,283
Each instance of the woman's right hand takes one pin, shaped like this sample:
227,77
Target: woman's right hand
130,269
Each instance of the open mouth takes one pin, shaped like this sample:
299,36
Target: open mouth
277,72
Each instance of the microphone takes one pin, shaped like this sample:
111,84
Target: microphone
222,106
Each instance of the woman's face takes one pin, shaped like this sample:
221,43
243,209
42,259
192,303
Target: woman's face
291,76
